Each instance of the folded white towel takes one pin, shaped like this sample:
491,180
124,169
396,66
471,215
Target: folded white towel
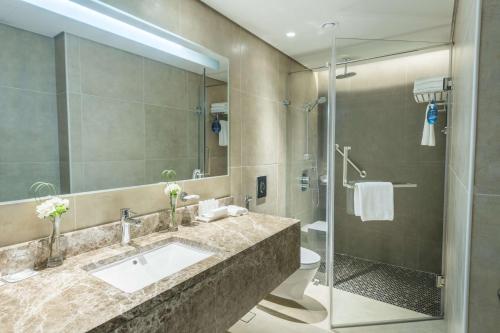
432,84
221,104
205,206
217,213
428,137
219,109
374,201
214,214
236,210
224,133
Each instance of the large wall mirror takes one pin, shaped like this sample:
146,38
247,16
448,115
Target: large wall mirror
92,98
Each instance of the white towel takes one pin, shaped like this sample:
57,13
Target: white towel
217,213
223,134
428,137
236,210
221,104
218,110
214,214
374,201
205,206
432,84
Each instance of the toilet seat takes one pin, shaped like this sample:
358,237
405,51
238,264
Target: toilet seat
309,259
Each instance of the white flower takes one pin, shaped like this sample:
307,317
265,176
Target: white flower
172,189
51,207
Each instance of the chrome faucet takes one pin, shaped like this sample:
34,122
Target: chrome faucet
248,198
126,221
197,174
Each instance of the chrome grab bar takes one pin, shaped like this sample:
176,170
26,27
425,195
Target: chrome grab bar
362,173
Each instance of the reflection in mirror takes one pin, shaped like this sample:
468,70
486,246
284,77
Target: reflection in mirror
86,116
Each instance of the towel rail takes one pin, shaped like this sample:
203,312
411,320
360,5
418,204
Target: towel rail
362,173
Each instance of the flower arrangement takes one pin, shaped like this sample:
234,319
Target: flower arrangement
172,191
52,208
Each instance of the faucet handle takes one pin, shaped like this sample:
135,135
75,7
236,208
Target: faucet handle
184,196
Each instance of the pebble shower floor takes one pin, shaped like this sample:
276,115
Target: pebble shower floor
403,287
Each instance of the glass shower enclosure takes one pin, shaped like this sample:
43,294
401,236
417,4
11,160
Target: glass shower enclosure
378,271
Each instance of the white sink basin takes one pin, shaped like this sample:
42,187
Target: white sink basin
141,270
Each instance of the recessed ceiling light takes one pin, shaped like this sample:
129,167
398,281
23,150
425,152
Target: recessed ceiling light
290,34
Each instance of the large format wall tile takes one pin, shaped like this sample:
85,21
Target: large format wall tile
166,136
17,178
183,168
112,130
259,68
260,117
165,85
113,174
29,126
164,13
484,305
106,71
26,60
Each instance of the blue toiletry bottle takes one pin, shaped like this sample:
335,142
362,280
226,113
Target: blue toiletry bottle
432,114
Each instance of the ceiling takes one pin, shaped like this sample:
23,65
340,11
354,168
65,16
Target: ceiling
366,28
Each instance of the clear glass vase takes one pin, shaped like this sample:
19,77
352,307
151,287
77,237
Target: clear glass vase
55,252
173,220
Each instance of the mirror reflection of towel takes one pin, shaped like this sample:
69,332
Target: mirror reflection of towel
224,133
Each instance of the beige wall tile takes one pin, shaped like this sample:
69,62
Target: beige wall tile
260,121
235,127
19,223
165,13
259,68
107,71
236,186
165,85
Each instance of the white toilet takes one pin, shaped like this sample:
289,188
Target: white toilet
294,287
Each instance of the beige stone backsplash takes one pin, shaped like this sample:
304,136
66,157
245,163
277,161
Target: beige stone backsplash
33,254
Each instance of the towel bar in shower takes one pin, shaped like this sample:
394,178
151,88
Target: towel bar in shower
362,173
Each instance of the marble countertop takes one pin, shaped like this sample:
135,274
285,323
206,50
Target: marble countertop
69,299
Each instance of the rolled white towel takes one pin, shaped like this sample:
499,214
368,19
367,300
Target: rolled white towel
236,210
217,212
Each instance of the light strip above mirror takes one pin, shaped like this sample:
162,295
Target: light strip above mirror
76,11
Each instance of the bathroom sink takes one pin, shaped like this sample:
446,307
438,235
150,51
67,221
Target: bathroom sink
140,270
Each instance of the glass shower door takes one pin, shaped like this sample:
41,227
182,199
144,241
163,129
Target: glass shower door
386,270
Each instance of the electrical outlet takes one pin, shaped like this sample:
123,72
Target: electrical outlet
261,187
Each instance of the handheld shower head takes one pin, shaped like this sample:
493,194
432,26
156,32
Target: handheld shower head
309,107
321,100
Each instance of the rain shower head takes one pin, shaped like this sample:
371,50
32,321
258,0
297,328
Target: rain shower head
346,74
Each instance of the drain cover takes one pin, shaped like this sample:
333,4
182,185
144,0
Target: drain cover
248,317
